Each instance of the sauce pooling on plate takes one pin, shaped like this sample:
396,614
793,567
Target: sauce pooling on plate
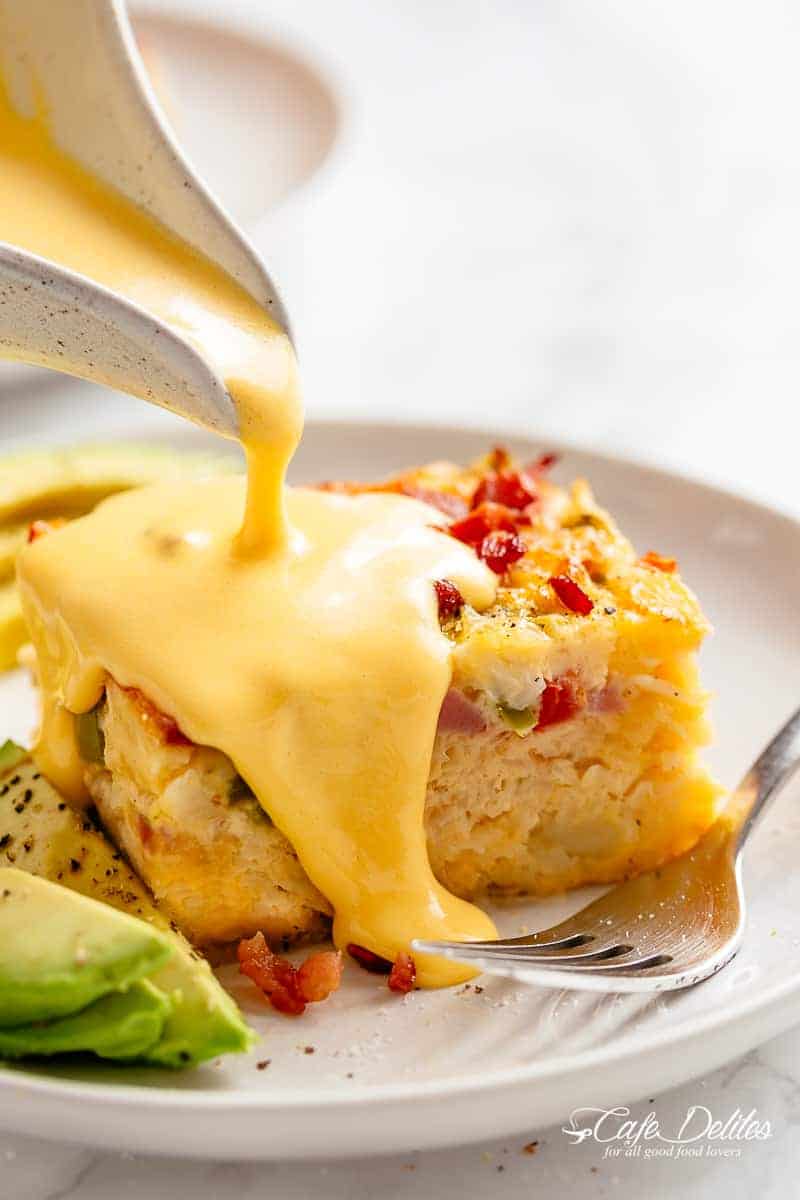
294,630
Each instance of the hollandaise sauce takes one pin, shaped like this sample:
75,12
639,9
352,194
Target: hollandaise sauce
294,630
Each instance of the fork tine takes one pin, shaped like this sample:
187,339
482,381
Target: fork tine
527,953
531,939
596,963
635,964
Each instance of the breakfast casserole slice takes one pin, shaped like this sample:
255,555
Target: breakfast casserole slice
566,752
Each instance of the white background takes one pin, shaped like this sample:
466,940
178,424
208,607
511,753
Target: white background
578,219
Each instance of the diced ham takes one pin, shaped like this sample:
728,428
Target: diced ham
460,715
605,700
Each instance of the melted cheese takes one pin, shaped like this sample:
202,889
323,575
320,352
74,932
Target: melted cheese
294,630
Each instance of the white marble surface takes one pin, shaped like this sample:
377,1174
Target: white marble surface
579,217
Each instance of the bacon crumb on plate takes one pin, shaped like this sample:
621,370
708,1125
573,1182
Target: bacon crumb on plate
289,989
320,975
369,960
403,974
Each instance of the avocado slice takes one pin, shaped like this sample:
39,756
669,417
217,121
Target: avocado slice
121,1025
10,755
70,481
12,539
13,631
40,833
59,951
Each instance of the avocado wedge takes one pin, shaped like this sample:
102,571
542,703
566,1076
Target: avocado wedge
10,755
12,539
70,481
13,631
41,834
59,951
122,1025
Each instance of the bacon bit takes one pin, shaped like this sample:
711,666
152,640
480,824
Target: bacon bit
541,464
341,486
501,550
276,977
484,519
448,503
659,562
594,570
450,599
166,727
498,459
460,715
558,703
320,975
368,960
289,989
570,595
505,487
403,974
38,529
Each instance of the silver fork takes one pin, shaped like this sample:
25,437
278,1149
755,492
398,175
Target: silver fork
664,930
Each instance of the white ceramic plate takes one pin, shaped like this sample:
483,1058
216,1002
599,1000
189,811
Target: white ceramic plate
439,1068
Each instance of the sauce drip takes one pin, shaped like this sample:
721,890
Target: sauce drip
294,630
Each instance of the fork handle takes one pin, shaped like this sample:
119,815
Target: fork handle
774,767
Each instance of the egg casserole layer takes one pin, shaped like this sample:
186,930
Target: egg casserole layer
567,745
